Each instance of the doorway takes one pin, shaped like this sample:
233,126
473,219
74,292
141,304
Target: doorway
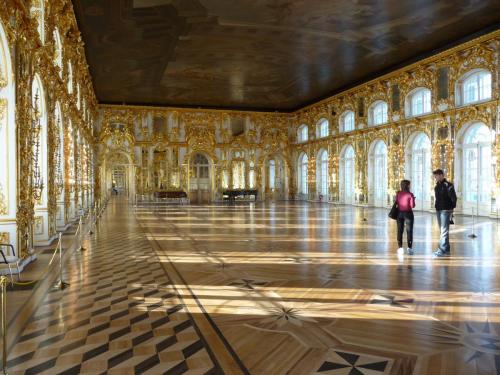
199,180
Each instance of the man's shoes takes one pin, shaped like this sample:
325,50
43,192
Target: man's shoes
409,251
401,251
441,254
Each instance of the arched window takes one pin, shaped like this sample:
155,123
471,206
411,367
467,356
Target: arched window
251,175
58,57
70,77
272,174
37,11
60,167
322,128
418,102
473,87
347,121
418,168
322,174
377,113
302,174
8,143
476,169
302,133
39,176
377,174
238,174
347,176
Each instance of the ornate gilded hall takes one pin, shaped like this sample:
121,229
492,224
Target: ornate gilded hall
208,187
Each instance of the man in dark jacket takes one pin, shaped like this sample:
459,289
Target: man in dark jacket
446,201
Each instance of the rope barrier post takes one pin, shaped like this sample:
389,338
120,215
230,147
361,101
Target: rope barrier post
80,236
472,235
3,286
91,221
62,284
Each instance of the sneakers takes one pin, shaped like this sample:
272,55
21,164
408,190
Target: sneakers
409,251
401,251
440,253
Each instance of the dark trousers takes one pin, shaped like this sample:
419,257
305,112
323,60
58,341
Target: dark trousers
405,219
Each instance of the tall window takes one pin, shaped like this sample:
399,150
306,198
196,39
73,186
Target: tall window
238,174
347,121
419,169
378,113
59,159
377,174
272,174
8,180
347,176
58,61
477,173
418,102
322,128
302,174
475,87
39,175
302,133
322,174
251,176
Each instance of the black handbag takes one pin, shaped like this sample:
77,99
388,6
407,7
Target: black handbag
394,212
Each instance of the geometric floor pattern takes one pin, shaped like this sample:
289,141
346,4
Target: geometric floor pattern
287,288
342,363
120,315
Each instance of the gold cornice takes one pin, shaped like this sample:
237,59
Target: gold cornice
185,110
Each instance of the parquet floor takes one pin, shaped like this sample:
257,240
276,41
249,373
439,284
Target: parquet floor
285,288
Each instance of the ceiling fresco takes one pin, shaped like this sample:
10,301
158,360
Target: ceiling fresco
261,54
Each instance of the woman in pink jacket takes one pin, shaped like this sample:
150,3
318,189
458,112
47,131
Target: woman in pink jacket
406,201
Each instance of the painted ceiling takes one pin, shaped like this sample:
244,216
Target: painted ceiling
262,54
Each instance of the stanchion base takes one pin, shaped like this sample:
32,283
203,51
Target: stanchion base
83,248
472,235
91,232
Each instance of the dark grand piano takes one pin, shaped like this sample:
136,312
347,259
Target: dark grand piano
178,196
232,194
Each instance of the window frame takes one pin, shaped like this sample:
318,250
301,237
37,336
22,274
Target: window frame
302,133
372,115
470,75
322,128
426,95
343,118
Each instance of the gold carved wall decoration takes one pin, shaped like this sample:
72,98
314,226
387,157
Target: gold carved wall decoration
4,237
3,202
